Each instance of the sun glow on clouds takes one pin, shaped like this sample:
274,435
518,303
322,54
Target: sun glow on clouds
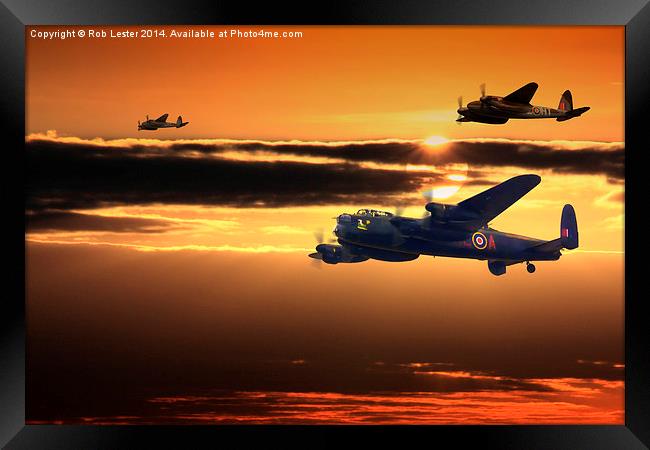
441,192
600,204
176,248
563,401
480,398
53,135
433,141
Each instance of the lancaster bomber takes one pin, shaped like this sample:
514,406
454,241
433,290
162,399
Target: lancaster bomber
457,231
516,105
161,122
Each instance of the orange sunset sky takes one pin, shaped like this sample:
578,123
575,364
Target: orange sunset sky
334,83
175,260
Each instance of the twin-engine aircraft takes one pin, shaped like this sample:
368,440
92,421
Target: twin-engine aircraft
458,231
497,110
161,122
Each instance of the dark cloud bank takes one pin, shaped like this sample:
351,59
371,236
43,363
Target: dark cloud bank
63,176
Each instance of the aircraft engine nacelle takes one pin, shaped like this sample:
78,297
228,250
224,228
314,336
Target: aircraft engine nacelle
442,213
331,254
334,254
439,211
392,256
497,267
382,255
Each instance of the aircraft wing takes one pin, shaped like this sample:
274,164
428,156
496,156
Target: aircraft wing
162,118
489,204
522,95
549,246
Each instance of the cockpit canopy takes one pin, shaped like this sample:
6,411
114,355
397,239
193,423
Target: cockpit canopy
373,213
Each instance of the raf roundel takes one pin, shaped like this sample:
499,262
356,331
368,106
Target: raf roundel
479,240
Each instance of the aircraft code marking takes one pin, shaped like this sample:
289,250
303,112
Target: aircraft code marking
363,224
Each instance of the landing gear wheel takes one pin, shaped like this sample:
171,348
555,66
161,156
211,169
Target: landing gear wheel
530,267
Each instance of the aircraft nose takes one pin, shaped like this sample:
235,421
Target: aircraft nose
344,218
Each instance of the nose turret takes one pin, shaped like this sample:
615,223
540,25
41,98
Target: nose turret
344,218
341,222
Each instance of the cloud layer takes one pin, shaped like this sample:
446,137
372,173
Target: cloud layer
66,174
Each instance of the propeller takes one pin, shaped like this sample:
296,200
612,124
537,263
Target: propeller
319,235
428,195
316,263
484,97
460,105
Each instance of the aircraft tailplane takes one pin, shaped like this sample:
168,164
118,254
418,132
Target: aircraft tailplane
568,233
180,123
569,228
566,105
573,113
566,102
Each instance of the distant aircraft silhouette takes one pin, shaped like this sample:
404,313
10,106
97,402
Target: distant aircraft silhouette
160,122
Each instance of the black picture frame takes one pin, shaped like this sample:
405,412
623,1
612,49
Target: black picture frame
16,14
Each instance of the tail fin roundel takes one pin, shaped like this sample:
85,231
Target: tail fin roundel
566,102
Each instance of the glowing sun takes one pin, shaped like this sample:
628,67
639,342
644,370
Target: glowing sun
435,140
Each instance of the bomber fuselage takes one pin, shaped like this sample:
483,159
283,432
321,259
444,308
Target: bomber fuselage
154,125
414,237
493,107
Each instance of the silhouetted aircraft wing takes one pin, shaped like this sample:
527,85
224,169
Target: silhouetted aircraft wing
162,118
522,95
489,204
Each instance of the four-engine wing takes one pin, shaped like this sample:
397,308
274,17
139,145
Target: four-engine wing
522,95
492,202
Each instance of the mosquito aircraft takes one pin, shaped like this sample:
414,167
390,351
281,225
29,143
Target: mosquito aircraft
161,122
516,105
457,231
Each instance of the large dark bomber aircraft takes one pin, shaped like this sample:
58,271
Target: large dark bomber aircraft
459,231
497,110
161,122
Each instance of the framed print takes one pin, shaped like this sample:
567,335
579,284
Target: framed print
410,220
